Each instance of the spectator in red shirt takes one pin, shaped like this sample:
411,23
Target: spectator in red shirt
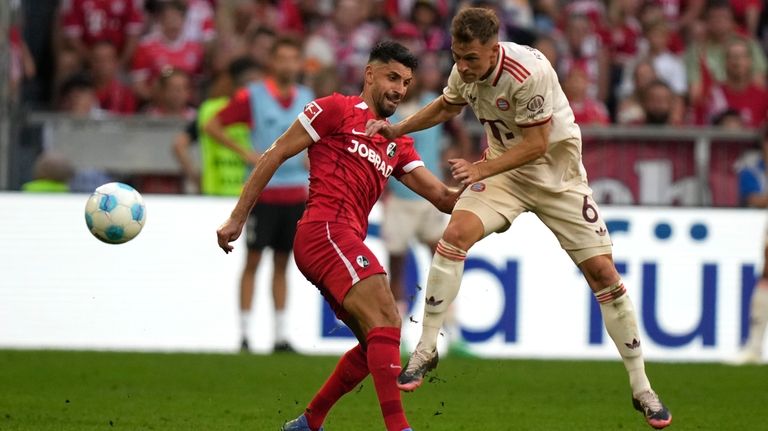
165,49
585,51
746,13
586,110
739,91
85,22
344,41
114,96
171,98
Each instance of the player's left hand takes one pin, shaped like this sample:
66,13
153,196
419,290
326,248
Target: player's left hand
229,232
465,172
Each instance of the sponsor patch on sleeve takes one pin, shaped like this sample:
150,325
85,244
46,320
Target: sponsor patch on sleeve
312,110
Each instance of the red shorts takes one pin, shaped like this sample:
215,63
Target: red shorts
333,258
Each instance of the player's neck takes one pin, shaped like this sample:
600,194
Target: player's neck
372,106
490,69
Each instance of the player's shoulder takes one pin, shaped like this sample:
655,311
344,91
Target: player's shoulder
520,62
405,140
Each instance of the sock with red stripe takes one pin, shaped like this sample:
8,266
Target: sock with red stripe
442,287
621,322
384,364
351,369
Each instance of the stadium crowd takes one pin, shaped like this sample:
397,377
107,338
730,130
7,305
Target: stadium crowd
630,62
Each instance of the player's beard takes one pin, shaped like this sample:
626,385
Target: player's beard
386,106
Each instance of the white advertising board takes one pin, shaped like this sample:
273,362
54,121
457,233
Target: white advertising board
688,271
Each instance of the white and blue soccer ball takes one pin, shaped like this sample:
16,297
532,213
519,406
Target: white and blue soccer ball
115,213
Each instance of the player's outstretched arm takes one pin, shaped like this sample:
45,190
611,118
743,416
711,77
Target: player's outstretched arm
533,146
290,143
436,112
422,181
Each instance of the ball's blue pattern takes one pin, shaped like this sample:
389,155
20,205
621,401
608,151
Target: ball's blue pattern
137,211
114,233
108,203
125,186
89,221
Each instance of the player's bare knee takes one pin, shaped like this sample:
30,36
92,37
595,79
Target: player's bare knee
600,271
457,236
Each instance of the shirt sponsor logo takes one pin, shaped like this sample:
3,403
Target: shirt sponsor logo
372,156
477,187
502,104
312,110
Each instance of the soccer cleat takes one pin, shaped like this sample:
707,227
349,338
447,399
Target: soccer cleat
418,365
649,404
283,347
244,348
747,357
298,424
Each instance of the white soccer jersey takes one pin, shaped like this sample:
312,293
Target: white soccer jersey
523,91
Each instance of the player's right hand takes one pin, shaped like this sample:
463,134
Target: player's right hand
382,127
227,233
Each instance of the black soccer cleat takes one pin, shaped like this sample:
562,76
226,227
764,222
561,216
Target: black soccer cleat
418,365
283,347
244,348
656,414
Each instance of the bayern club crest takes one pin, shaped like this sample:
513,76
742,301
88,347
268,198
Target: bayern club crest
391,149
502,104
477,187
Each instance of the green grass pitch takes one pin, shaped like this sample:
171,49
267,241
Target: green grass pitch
58,390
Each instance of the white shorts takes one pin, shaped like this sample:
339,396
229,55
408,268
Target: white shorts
405,219
571,215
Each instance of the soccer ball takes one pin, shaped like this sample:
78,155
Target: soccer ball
115,213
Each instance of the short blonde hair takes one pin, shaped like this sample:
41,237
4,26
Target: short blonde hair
474,23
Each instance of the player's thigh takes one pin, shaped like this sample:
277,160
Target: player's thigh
371,303
260,227
432,223
285,226
333,258
575,220
494,201
399,224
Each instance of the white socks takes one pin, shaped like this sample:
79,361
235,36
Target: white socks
758,318
442,287
280,336
621,323
245,320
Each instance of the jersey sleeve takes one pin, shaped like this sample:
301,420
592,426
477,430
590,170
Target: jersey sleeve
451,92
321,117
238,110
409,159
533,100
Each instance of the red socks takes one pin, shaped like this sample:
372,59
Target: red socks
383,361
384,364
351,369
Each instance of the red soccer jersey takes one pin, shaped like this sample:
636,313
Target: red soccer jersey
752,103
156,54
117,98
95,20
348,170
